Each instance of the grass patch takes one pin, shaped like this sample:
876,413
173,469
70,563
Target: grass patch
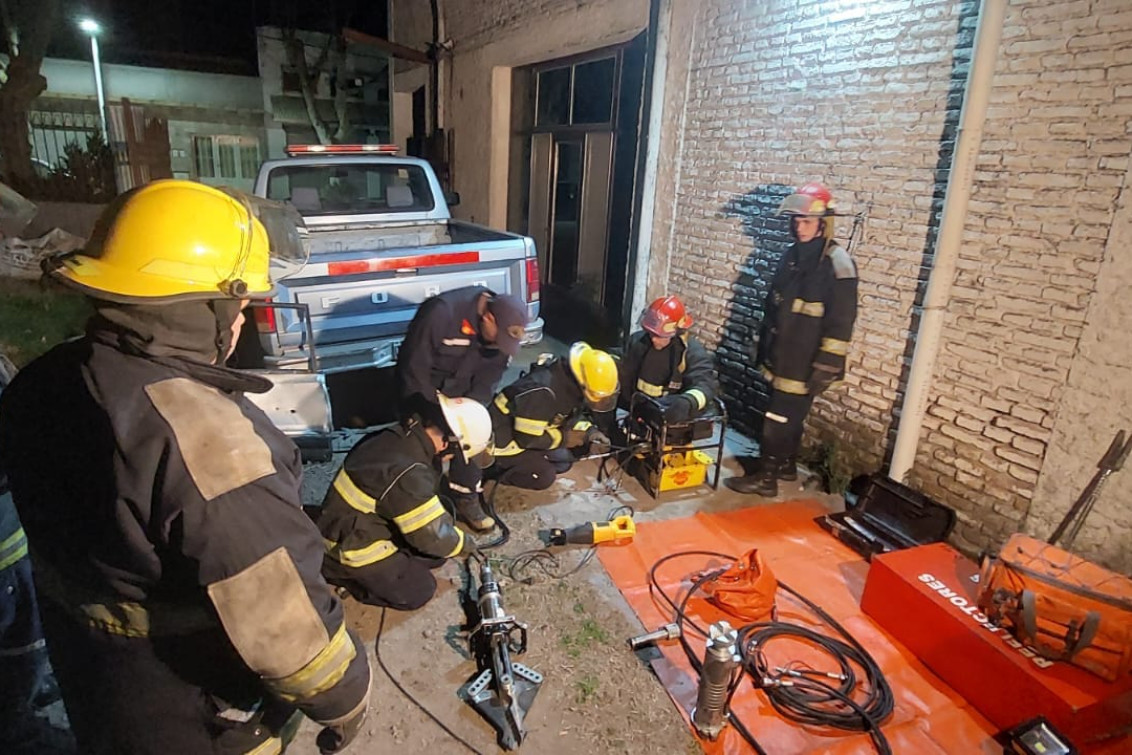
827,459
586,688
589,634
34,317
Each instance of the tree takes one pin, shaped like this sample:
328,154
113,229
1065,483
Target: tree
27,30
331,60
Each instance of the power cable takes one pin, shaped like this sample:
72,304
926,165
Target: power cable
793,691
407,694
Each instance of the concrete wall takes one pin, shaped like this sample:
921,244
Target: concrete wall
765,95
487,40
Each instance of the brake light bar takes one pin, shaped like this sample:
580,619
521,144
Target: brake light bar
532,280
340,149
391,264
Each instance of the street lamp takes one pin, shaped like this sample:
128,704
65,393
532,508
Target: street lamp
93,29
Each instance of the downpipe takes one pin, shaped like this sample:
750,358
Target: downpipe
972,117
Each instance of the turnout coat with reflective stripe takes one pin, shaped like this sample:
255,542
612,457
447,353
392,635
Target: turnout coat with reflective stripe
171,551
384,499
684,366
808,318
533,412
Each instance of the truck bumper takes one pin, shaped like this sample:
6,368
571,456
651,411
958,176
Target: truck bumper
533,332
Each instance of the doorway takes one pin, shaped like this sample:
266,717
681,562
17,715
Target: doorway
574,156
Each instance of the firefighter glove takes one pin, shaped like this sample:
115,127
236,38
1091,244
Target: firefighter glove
678,408
338,737
598,441
820,380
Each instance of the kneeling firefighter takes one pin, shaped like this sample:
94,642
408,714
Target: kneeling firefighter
544,416
384,525
665,362
179,580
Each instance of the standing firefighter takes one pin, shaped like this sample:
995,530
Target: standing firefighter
459,343
666,363
384,525
180,581
542,417
807,325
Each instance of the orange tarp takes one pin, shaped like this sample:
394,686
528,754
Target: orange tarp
929,717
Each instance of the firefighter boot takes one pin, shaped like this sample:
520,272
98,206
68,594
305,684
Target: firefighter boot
788,469
764,480
470,511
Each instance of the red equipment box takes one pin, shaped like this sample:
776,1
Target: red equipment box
925,598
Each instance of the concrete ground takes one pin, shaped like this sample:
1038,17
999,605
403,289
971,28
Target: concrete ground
597,696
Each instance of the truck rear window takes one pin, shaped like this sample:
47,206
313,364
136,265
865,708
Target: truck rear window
346,188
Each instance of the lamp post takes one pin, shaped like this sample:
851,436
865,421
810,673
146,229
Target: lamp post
92,28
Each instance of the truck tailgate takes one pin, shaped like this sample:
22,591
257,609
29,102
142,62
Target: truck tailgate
358,298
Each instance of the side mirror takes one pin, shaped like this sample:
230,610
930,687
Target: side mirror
452,198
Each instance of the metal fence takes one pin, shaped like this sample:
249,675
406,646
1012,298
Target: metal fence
54,127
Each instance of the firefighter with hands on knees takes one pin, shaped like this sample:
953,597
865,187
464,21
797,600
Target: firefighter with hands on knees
807,325
459,344
547,417
180,582
383,522
664,362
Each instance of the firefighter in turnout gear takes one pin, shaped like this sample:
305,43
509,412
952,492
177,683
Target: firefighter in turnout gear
179,580
384,525
807,325
459,343
666,363
542,418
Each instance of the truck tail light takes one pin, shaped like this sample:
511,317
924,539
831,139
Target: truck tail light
264,319
532,279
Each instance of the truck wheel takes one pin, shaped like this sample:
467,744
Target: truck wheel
315,450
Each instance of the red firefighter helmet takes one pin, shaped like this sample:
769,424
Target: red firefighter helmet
666,317
813,200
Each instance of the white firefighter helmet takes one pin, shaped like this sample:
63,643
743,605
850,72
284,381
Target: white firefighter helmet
469,423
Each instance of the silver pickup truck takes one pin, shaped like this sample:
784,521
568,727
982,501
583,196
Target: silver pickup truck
381,242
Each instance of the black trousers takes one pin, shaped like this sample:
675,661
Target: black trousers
783,424
402,581
531,470
464,478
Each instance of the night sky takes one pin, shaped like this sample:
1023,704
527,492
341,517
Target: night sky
209,35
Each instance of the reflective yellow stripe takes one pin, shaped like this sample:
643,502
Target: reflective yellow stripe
767,374
501,404
511,449
835,346
353,495
786,385
649,389
459,544
555,436
530,426
413,520
324,671
808,308
698,395
583,425
358,557
13,548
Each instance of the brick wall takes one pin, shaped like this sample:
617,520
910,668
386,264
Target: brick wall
865,96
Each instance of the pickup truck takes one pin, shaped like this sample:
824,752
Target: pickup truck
381,242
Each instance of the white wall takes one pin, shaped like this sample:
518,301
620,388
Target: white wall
75,78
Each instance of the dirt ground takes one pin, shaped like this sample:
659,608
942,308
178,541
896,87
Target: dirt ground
597,697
